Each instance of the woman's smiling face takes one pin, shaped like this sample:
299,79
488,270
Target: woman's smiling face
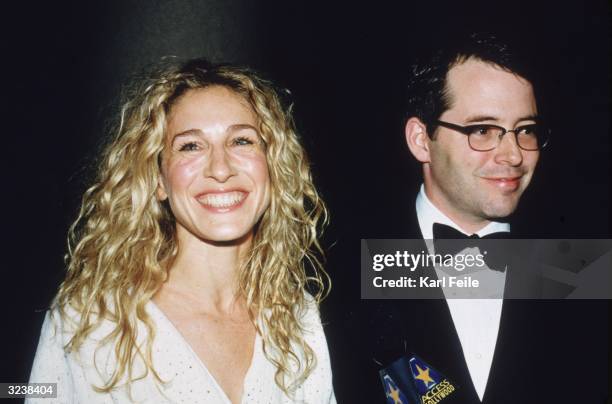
214,170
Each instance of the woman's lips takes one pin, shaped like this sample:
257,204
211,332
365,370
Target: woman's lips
223,201
505,183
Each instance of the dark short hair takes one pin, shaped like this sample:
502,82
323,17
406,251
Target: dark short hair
428,94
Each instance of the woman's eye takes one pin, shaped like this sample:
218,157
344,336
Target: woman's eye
242,141
190,146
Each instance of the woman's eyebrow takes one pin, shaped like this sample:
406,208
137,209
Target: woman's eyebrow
187,132
241,126
199,132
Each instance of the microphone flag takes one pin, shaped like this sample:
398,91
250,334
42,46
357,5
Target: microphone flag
392,392
410,380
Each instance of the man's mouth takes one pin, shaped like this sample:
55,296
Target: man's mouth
222,200
505,183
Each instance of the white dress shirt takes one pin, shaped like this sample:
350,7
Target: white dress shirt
188,379
476,320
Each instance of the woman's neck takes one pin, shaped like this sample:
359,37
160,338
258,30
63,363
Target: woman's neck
208,272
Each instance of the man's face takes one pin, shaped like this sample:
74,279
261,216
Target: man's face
470,186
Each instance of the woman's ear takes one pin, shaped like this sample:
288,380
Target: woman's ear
161,189
417,139
161,193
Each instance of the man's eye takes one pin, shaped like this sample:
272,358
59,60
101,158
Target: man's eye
528,130
190,146
242,141
480,130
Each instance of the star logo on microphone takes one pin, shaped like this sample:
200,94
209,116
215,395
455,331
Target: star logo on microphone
424,375
410,380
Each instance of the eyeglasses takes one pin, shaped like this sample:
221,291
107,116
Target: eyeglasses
484,137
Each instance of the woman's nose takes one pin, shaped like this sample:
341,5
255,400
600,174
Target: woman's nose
219,165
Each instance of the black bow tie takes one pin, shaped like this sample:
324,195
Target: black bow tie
458,241
442,231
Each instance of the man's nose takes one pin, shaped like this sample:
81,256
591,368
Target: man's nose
508,151
219,165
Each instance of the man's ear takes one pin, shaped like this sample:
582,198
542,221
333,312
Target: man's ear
417,139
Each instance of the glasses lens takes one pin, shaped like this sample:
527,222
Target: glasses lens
531,137
484,137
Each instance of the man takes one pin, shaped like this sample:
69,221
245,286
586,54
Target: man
475,127
475,172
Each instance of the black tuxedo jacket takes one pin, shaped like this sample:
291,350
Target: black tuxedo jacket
546,351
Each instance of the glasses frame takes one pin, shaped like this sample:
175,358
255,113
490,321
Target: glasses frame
466,130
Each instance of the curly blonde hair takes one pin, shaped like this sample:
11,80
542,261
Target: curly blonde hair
123,241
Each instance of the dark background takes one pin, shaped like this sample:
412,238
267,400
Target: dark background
345,65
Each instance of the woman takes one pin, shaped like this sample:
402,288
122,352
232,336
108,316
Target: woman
188,262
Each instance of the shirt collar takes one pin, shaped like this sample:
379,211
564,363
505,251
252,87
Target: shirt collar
428,214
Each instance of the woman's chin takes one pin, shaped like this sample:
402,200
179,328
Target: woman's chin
227,237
